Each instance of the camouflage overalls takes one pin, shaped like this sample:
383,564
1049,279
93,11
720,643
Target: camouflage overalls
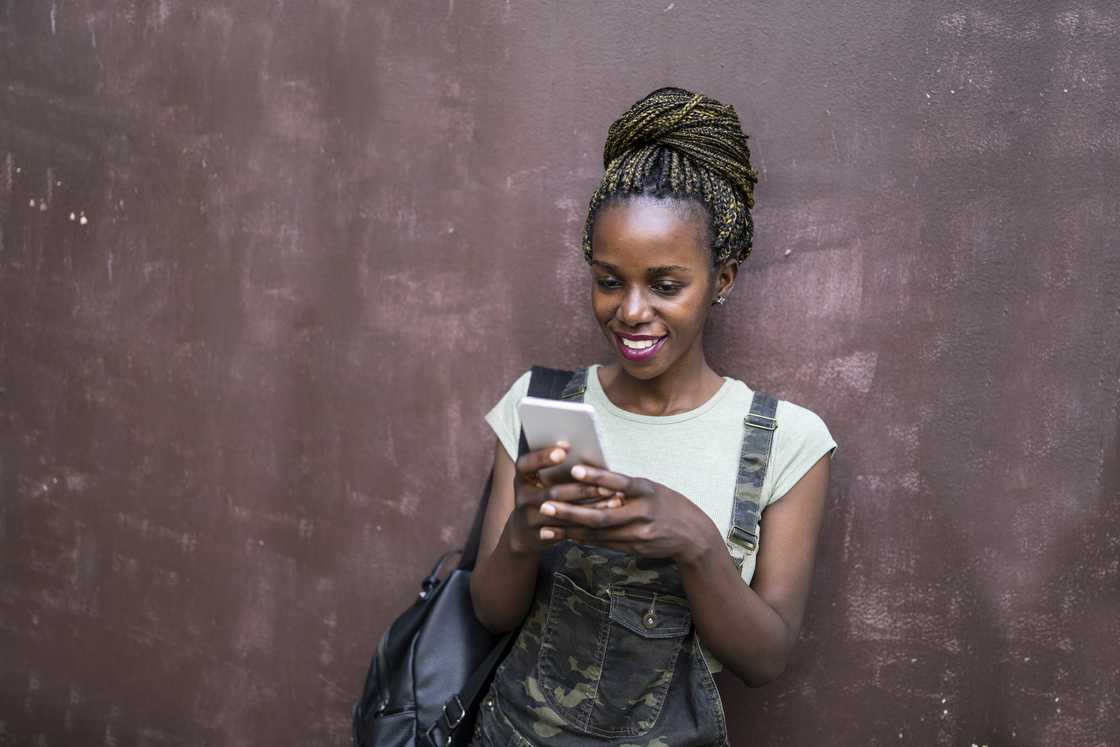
607,653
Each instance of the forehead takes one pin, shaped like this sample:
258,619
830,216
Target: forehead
646,231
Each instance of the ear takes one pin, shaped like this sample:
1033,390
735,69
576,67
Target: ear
725,273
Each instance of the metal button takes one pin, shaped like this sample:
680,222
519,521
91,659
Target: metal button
649,619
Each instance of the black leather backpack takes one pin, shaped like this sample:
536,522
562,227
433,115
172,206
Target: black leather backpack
436,659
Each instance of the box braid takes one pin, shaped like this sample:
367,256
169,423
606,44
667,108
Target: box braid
676,143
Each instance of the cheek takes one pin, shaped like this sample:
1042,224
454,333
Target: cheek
689,313
601,305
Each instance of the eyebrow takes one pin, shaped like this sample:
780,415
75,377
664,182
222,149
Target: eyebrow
660,270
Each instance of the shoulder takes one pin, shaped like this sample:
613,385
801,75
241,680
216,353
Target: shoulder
801,439
513,394
802,433
795,419
797,424
799,420
503,417
520,385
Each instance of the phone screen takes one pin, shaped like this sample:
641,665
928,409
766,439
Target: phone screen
547,421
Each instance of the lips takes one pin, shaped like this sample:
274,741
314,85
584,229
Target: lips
646,349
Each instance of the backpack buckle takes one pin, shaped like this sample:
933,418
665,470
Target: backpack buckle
447,721
453,721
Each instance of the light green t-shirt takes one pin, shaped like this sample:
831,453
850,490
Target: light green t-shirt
695,453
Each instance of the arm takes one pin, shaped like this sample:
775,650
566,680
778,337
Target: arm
504,576
752,629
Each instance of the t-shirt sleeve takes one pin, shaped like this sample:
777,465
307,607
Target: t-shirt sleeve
800,440
503,417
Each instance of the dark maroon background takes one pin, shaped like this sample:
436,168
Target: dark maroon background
242,399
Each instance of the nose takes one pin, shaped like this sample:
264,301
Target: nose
634,310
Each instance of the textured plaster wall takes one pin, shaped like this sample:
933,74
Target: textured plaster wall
265,264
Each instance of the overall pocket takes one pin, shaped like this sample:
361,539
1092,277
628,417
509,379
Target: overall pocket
606,666
570,658
646,632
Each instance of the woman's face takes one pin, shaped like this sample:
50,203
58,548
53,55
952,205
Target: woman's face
653,282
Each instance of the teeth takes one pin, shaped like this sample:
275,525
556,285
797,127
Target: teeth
638,344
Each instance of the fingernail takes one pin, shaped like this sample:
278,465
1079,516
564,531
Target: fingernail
564,444
557,455
579,472
605,491
548,509
547,534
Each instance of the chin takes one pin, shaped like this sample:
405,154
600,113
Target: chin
644,371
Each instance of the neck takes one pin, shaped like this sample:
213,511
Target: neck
688,384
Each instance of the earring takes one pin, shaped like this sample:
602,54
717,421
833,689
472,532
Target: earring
720,300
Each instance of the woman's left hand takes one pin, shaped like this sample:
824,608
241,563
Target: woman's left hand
654,521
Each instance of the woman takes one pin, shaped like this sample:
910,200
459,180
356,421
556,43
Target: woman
628,605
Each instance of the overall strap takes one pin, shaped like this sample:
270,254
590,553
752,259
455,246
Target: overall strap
754,458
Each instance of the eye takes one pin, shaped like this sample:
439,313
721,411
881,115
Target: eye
607,282
667,289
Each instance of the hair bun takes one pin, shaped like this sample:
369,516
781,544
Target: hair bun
685,145
696,126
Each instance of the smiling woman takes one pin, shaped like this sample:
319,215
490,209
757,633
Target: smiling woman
625,607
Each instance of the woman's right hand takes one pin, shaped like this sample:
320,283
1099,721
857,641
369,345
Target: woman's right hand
533,531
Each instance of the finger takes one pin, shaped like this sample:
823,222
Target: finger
610,503
529,464
551,534
577,491
586,516
539,520
631,486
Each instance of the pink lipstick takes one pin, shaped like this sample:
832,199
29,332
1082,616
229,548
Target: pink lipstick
642,353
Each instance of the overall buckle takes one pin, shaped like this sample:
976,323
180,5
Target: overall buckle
740,536
773,425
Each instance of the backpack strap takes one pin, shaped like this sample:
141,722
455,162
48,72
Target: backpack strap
456,712
754,458
550,383
577,385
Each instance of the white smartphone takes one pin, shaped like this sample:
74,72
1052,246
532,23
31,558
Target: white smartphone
547,421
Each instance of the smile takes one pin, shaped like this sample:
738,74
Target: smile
639,350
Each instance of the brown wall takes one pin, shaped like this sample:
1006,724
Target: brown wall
242,399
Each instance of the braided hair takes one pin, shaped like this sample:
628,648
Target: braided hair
676,143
